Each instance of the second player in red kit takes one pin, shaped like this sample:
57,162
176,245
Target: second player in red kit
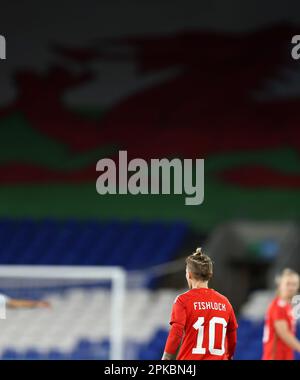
279,340
203,323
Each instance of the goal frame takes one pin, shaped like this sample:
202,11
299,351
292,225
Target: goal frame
116,275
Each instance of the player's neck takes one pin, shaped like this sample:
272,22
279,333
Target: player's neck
200,285
286,299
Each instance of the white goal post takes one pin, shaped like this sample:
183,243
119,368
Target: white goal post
116,275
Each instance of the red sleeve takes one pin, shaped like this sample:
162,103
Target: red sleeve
231,343
232,322
177,322
178,314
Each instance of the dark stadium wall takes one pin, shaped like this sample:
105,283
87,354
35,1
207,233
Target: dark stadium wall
82,83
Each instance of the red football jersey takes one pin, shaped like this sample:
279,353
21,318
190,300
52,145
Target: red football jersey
273,347
206,316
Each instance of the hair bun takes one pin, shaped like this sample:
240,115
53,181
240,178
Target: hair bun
198,252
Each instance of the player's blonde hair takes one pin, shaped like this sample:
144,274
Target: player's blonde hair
200,265
285,272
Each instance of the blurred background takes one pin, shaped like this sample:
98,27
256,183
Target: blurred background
204,79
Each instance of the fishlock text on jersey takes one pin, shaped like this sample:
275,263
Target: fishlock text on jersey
209,306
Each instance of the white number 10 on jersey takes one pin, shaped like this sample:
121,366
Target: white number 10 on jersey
199,325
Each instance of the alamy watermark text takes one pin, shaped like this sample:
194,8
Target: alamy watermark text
160,176
2,47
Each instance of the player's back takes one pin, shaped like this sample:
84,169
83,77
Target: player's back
208,317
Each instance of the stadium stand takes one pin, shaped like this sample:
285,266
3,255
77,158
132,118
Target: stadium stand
133,245
85,337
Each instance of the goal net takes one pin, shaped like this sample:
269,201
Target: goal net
84,320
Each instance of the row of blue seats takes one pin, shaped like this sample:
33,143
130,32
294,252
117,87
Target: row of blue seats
133,245
85,349
249,347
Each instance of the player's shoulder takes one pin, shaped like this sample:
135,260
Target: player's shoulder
280,303
220,296
182,297
277,305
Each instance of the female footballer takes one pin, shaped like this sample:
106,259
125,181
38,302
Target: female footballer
203,323
279,340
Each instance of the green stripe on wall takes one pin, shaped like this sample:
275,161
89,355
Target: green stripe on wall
19,142
222,203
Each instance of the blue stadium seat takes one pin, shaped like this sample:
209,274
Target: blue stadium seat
56,355
10,354
32,354
133,245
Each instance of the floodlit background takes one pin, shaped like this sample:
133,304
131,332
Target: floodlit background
212,80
